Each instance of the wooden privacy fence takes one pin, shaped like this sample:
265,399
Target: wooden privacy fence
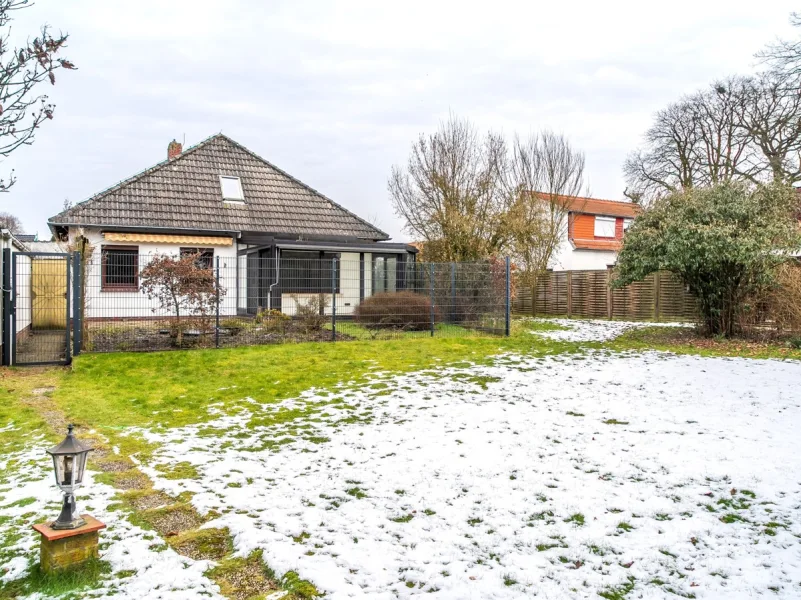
659,297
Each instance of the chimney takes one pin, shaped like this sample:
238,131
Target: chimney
174,150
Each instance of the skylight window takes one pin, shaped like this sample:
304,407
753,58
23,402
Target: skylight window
231,189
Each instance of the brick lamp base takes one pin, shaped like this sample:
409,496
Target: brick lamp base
65,548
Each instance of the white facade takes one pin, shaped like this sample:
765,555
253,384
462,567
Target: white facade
115,304
111,304
569,258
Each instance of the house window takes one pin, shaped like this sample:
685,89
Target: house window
120,268
205,256
385,270
604,227
308,272
231,188
627,224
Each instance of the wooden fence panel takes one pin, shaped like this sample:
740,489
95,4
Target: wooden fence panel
660,296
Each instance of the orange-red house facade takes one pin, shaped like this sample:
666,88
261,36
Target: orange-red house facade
593,234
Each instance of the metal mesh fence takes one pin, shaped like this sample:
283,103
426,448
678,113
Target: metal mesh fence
134,302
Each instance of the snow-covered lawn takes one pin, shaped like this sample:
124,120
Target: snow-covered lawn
565,476
639,475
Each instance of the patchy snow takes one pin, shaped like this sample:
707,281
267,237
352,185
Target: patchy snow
142,566
562,476
594,330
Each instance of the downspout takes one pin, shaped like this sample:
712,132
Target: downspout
277,276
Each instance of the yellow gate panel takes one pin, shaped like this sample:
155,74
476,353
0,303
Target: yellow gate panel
48,293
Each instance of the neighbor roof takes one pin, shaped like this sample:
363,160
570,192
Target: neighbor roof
184,193
596,206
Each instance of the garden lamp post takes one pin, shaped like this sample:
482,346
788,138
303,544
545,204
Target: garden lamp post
69,462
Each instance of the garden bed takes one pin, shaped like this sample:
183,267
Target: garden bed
148,336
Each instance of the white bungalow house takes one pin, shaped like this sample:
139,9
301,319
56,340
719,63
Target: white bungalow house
224,202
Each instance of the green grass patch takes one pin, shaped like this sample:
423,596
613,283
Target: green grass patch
181,470
69,582
576,518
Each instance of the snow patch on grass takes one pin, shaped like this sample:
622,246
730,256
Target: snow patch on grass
575,330
566,476
142,566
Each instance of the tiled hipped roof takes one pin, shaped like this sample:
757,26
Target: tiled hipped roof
184,193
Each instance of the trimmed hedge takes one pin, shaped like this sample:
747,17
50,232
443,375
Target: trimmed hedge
395,310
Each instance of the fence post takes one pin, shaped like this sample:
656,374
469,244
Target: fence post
657,286
453,292
508,297
7,325
77,303
569,294
431,277
68,297
217,312
610,298
333,299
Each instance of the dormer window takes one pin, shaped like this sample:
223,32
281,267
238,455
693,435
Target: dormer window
231,189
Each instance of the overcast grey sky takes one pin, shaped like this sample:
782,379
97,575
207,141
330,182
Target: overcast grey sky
335,92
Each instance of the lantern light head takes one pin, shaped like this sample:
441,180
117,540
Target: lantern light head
69,463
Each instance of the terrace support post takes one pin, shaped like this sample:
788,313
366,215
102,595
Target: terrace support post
77,303
7,323
569,294
453,292
334,300
431,278
217,303
508,297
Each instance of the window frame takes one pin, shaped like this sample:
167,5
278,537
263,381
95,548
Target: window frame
205,258
105,286
607,221
394,276
238,181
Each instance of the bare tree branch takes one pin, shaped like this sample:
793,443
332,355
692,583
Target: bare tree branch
22,110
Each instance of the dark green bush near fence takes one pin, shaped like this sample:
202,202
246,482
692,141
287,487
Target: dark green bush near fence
395,310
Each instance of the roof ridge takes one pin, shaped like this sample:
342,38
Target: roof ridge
136,176
305,185
585,198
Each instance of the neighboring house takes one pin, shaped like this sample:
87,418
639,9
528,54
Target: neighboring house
593,234
222,200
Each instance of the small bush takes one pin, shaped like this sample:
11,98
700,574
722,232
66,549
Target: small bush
395,310
272,320
311,313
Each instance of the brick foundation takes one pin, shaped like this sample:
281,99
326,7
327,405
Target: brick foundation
66,548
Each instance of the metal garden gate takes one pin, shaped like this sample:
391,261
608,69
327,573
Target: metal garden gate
38,293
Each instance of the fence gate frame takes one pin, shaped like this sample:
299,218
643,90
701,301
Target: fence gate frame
72,293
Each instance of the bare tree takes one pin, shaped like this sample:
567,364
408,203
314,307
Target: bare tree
770,116
545,176
450,192
741,128
22,109
723,150
10,222
785,56
669,161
